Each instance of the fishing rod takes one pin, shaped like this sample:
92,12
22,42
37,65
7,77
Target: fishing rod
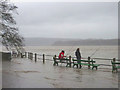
69,51
95,52
74,45
71,48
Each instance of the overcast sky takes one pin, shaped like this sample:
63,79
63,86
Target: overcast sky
80,20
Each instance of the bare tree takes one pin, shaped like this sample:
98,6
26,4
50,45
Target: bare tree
8,31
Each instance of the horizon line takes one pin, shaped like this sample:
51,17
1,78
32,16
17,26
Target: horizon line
69,38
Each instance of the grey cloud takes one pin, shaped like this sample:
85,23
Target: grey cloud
66,19
60,12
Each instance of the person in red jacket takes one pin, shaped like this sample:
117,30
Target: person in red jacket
61,55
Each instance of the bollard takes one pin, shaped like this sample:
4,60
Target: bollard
43,58
35,57
89,62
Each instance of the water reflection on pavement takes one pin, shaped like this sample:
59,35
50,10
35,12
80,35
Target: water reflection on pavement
24,73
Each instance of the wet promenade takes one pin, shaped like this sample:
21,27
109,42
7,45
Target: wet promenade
24,73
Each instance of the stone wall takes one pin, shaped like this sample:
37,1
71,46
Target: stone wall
5,55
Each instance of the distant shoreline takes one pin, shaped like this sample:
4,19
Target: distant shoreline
65,45
70,42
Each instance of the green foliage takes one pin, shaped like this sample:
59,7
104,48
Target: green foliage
8,30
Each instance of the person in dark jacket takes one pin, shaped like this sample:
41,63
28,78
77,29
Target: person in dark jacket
78,55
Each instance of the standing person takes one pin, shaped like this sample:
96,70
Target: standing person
78,56
61,55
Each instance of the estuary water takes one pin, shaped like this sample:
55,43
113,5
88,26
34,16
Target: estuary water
107,52
25,73
102,51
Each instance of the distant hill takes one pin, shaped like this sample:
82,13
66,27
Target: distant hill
87,42
68,42
40,41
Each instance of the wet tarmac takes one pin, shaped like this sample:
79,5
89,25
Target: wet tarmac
24,73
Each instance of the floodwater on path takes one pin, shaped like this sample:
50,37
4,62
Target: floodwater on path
25,73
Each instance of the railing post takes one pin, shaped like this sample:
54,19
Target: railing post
25,54
21,55
54,58
35,57
28,55
43,58
31,56
89,62
114,63
70,60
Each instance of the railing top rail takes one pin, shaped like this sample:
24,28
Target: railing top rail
102,58
99,58
82,57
